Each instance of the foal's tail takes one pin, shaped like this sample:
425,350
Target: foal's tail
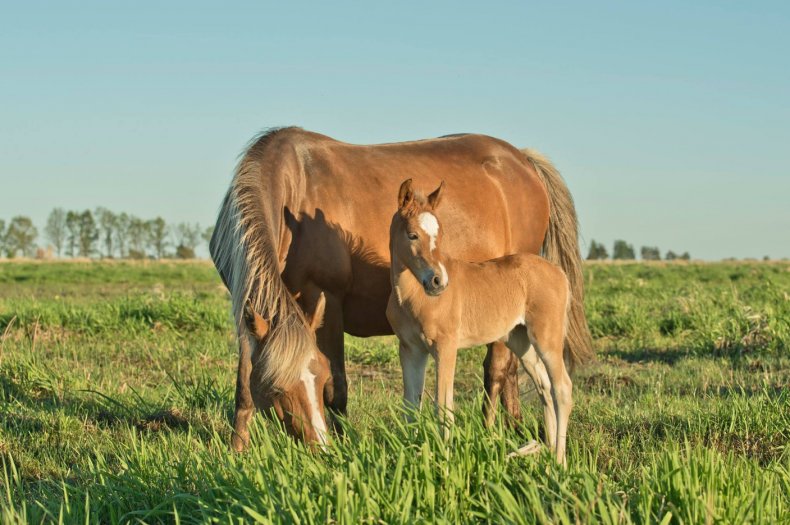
561,246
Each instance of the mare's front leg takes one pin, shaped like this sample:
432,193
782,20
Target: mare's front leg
445,353
500,379
330,339
413,361
245,408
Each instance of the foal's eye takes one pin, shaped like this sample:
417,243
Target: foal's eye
412,236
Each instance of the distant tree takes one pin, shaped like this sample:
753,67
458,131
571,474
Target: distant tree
89,234
623,251
136,254
72,233
3,247
138,236
185,252
108,222
650,253
207,234
671,256
157,236
122,233
685,256
55,230
597,252
21,237
187,235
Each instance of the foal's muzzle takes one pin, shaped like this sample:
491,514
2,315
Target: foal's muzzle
433,284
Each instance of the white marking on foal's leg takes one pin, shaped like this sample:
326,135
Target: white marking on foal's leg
316,419
430,225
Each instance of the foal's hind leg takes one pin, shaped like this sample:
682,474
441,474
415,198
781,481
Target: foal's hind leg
518,342
548,341
500,378
245,408
537,371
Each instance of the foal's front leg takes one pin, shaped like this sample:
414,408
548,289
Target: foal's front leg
413,361
445,353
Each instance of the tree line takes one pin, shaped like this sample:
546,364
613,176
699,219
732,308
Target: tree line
624,251
102,233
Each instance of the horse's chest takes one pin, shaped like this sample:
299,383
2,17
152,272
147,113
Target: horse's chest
430,328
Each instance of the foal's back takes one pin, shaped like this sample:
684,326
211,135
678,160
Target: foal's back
495,296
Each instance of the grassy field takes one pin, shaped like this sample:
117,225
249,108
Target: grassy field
116,387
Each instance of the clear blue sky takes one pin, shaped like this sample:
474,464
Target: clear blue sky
669,120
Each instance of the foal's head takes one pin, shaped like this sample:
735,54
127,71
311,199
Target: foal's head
299,406
415,236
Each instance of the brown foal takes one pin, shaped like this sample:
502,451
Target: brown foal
439,304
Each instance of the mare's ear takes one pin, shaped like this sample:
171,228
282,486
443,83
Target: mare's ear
435,198
256,324
317,318
405,194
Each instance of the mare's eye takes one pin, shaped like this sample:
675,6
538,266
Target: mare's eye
412,236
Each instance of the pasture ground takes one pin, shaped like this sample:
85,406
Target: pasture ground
116,387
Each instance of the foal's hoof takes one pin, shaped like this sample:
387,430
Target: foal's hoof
533,447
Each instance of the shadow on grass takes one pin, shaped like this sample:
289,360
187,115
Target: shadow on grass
752,360
668,356
29,407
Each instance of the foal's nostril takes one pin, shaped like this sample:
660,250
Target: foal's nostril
436,282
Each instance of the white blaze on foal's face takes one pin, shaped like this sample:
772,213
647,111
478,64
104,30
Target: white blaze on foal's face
429,225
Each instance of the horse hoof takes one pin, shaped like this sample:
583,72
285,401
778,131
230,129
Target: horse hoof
533,447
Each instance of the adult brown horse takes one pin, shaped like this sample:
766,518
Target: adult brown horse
308,217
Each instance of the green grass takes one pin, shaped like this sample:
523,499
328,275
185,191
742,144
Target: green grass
116,388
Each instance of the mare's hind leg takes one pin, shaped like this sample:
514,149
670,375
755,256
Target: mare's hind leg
245,408
500,378
518,342
413,361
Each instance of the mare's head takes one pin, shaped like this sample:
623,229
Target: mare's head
300,403
415,237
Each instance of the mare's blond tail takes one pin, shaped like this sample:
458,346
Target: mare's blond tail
561,246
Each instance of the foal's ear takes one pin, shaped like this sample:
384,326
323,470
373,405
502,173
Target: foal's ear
436,197
405,194
317,318
256,324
